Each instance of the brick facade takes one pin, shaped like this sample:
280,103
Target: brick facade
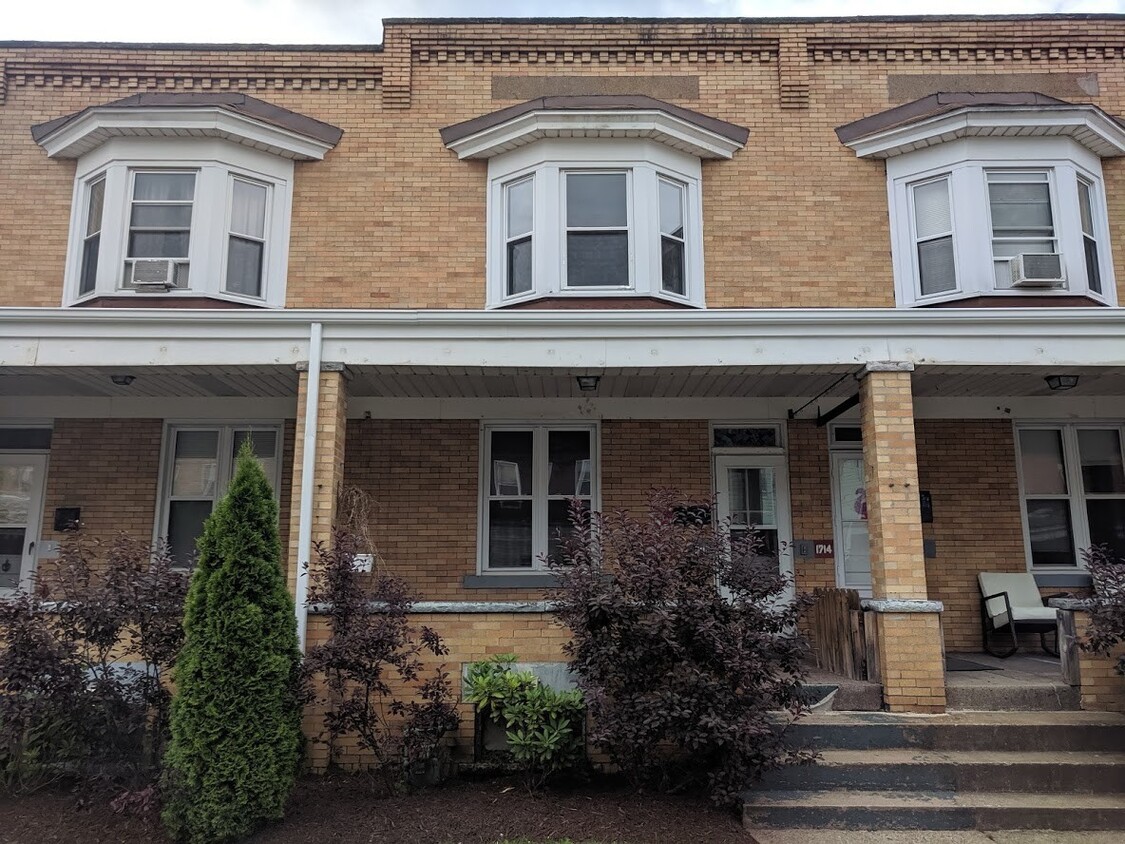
391,219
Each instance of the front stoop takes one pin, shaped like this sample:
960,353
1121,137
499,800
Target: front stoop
964,771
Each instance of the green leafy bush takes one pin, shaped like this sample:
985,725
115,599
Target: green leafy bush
236,715
543,726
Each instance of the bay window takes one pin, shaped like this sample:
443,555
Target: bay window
529,476
1073,487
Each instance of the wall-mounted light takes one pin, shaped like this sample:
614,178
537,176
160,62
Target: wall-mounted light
123,380
586,383
1062,382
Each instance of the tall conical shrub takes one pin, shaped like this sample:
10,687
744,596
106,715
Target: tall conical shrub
236,731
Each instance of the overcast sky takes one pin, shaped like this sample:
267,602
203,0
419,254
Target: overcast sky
358,21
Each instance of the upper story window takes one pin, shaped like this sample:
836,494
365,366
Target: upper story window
182,195
595,197
997,199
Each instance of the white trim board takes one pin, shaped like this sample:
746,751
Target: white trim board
578,339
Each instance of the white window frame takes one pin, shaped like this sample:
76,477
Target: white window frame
547,162
916,240
1076,496
539,495
216,164
224,468
967,162
630,229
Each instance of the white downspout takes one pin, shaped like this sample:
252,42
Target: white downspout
308,485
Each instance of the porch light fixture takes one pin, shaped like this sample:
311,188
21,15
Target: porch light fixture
123,380
586,383
1062,382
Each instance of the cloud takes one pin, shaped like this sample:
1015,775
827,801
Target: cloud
360,21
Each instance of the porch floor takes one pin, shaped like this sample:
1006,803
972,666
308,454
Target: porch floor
1023,682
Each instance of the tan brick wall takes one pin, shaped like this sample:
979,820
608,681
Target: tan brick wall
810,490
1102,688
969,465
470,637
111,468
891,477
391,219
641,455
911,662
332,408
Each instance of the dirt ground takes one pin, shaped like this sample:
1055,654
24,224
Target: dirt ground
349,810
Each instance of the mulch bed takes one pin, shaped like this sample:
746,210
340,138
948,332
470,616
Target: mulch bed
348,810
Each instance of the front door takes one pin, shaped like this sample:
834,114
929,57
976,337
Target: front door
849,506
752,491
21,514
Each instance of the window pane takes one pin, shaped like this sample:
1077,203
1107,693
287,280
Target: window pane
672,265
1093,271
1101,461
569,463
194,469
596,200
1107,523
162,187
519,266
185,526
520,196
765,437
20,438
264,444
1052,541
752,495
671,209
94,211
511,463
158,244
11,556
558,525
244,266
597,259
1041,458
931,209
89,273
936,269
161,217
16,484
1085,206
1009,248
248,209
509,534
1020,206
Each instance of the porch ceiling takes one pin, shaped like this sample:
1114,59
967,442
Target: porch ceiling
526,382
150,381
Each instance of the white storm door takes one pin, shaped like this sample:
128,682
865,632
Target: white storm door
849,510
752,492
21,514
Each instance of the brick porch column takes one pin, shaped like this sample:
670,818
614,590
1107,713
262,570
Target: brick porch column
329,472
908,627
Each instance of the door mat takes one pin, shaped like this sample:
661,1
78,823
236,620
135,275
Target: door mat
956,663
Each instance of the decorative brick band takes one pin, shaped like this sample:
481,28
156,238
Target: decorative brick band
3,82
459,607
952,51
897,605
623,53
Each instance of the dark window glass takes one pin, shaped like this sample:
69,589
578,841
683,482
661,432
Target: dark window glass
597,259
1052,539
745,438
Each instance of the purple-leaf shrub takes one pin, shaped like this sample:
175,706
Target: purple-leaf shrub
1107,608
371,658
684,642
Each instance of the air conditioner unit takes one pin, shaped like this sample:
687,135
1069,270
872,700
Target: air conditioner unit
1043,269
154,273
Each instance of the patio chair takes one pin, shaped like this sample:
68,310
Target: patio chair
1012,602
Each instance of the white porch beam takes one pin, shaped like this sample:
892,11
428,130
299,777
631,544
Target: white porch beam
574,339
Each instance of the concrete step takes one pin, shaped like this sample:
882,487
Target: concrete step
873,810
1024,697
998,731
957,770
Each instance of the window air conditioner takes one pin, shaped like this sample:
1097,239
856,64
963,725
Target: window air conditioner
1038,270
154,273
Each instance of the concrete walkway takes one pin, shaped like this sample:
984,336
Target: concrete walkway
924,836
